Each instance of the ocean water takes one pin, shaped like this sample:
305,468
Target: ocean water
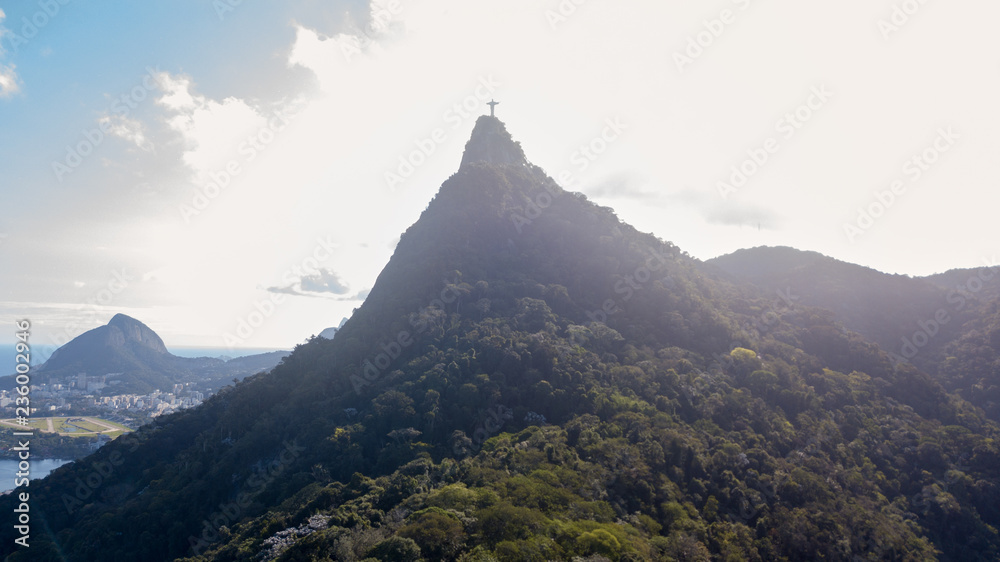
8,355
220,351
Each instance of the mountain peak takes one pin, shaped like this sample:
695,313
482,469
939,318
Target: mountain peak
135,331
123,320
112,347
490,142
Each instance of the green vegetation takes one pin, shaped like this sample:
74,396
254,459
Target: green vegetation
51,445
947,324
47,445
533,412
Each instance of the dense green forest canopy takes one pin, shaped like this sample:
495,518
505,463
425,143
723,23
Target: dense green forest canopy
532,379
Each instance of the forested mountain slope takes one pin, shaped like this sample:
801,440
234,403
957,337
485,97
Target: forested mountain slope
946,324
532,379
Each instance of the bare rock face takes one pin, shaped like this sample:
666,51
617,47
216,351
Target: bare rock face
132,330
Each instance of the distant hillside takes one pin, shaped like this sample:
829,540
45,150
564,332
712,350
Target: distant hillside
883,307
260,362
983,283
947,324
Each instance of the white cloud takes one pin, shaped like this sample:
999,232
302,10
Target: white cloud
212,131
10,84
131,130
176,92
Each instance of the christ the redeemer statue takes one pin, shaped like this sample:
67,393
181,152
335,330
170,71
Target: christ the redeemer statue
492,104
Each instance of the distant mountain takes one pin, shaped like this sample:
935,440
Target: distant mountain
123,344
947,324
330,332
139,361
260,362
982,283
530,378
880,306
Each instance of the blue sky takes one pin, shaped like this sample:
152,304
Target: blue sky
91,49
247,176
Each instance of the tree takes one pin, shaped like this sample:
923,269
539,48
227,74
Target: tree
439,534
395,549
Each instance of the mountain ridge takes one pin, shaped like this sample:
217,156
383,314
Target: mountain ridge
549,390
933,321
